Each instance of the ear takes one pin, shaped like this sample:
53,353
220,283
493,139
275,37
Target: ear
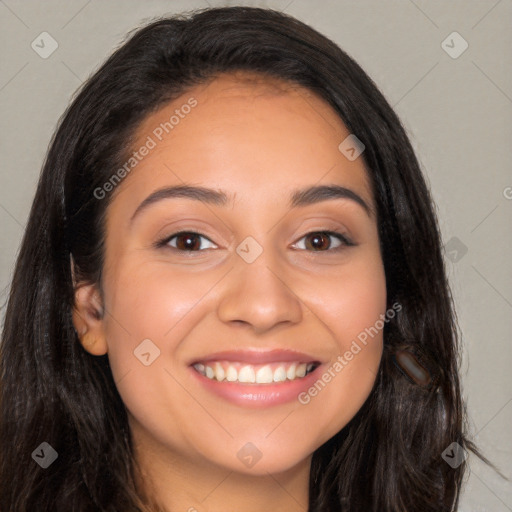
88,318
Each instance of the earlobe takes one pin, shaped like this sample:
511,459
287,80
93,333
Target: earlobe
88,321
94,345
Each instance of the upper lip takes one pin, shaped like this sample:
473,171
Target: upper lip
258,356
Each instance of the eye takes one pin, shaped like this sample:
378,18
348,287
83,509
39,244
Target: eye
188,241
318,240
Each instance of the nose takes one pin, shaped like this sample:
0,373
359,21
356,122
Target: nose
260,295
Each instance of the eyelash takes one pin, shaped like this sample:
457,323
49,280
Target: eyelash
345,241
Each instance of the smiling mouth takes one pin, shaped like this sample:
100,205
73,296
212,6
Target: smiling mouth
233,371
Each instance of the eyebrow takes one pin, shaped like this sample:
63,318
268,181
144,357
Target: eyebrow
298,198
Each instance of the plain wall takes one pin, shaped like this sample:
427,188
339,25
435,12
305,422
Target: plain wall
457,111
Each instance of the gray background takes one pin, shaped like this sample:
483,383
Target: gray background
457,111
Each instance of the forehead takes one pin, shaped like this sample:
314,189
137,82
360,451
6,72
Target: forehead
247,132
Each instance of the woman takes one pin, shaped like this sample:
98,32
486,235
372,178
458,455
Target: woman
177,338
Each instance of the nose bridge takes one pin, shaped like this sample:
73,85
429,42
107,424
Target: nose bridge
258,291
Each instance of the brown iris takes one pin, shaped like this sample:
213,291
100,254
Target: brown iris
190,244
317,239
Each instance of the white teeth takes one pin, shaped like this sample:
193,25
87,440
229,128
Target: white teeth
264,375
301,370
290,374
219,372
280,374
231,374
246,373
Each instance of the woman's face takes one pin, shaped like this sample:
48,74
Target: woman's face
259,292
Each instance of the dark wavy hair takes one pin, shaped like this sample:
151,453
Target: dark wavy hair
389,457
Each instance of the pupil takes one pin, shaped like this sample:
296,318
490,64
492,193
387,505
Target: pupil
318,238
188,244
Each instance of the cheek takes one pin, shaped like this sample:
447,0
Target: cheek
357,320
350,300
150,310
148,301
352,306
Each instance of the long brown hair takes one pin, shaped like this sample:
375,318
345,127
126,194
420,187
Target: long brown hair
389,457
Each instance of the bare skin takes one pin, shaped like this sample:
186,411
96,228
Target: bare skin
258,144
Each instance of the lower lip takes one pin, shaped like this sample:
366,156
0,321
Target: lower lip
259,395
